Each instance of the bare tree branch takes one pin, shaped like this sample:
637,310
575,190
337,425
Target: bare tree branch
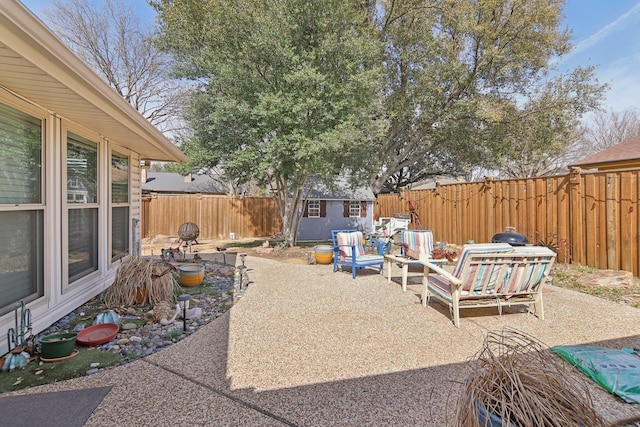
113,43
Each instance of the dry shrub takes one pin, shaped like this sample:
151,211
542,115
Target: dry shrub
138,276
524,384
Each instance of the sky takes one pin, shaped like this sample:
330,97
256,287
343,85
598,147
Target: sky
605,35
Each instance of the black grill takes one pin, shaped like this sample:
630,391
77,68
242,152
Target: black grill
514,239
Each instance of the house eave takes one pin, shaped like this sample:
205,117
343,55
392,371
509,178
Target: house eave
614,165
37,66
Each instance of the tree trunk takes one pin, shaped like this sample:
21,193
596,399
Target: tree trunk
291,206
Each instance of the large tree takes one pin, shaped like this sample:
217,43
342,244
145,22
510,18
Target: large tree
289,90
469,84
111,40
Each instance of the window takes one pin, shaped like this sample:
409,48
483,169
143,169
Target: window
21,208
119,206
313,207
354,209
82,207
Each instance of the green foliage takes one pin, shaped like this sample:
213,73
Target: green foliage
288,89
173,334
395,90
281,247
180,168
36,373
471,84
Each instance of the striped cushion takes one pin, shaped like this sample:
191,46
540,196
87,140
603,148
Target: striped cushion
420,241
528,276
366,259
353,238
441,286
484,275
478,248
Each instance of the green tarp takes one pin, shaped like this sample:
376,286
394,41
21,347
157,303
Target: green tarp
616,370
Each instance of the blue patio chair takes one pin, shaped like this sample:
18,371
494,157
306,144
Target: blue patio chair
349,250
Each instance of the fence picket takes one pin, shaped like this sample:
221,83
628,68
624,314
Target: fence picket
592,217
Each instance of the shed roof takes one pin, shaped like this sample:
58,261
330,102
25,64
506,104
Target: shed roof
342,191
36,65
622,155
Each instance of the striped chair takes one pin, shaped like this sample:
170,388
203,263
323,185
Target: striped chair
492,274
349,250
418,242
417,246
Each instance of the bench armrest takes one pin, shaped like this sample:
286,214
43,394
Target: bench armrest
450,277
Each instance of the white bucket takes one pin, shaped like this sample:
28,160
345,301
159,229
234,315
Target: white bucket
232,236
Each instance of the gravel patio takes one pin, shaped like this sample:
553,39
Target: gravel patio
307,347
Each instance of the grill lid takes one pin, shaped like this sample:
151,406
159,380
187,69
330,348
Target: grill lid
514,239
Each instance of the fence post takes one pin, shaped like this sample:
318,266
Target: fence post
612,201
576,217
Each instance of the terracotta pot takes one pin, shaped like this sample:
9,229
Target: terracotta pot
191,274
323,254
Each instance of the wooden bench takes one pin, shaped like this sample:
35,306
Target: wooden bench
493,274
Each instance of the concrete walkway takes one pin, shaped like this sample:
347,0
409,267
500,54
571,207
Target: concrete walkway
308,347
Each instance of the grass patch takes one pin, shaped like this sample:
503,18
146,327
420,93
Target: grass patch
275,243
38,373
572,277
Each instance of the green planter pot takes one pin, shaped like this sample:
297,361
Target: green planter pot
57,345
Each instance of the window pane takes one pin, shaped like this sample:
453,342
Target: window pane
82,170
83,242
120,232
20,157
119,178
21,258
354,209
314,208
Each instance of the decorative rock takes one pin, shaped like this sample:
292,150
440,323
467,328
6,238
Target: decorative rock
78,327
64,324
608,279
135,342
264,250
94,365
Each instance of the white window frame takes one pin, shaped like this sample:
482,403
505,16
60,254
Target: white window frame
354,209
313,208
113,205
67,128
41,263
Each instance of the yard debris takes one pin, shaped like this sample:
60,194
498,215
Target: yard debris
518,381
139,280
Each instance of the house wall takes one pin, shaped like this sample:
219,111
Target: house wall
59,297
320,228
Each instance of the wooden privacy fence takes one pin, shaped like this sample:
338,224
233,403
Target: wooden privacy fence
592,217
216,216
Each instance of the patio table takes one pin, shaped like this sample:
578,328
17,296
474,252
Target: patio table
404,262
